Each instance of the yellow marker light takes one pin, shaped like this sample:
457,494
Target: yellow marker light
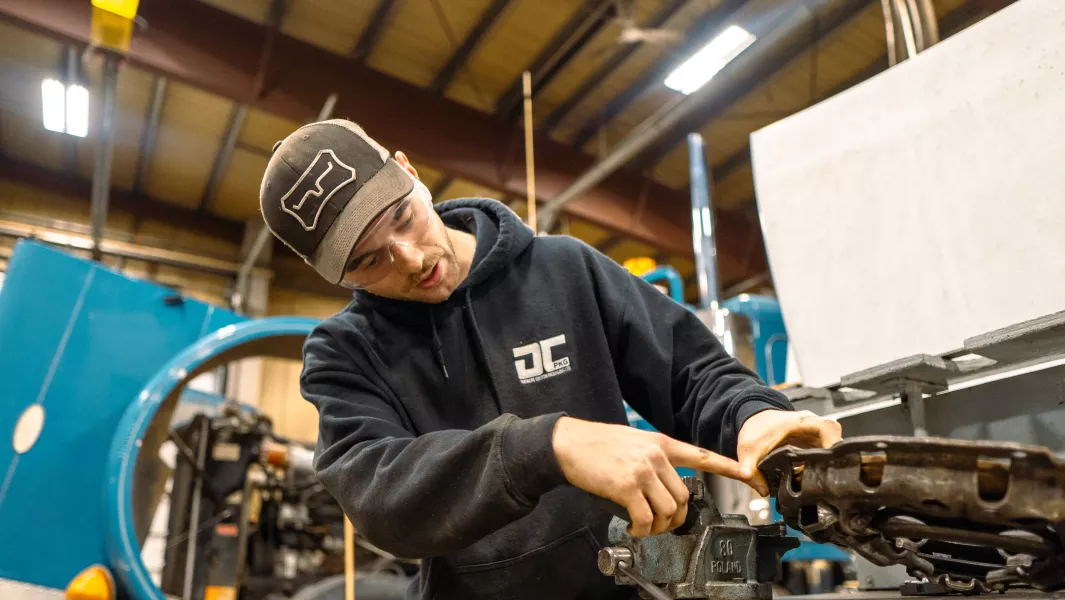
640,265
94,583
122,8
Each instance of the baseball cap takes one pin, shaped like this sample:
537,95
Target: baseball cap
323,186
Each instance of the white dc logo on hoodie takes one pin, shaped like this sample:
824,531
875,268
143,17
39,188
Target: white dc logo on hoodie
542,364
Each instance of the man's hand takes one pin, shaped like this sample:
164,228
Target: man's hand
770,429
635,468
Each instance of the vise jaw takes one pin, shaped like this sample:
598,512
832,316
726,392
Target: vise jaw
710,556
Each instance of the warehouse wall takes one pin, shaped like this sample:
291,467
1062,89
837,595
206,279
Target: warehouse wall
280,398
25,204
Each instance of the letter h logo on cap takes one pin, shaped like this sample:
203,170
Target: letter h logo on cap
308,196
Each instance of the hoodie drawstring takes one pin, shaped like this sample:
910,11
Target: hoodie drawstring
438,348
484,357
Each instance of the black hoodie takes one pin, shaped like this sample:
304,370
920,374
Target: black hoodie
436,420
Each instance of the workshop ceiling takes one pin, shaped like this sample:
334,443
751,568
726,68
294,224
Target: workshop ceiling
591,90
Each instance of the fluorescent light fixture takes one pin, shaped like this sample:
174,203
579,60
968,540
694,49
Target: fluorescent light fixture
65,109
77,111
53,101
710,59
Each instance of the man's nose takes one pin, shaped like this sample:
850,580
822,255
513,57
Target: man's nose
407,259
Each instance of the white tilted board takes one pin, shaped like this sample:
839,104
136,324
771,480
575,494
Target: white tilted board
926,205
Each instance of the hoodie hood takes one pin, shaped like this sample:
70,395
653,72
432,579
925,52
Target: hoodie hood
501,237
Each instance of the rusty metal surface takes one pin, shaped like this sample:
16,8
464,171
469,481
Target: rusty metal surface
973,516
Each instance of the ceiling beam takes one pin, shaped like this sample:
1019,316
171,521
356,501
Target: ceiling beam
461,56
747,82
150,132
138,205
208,48
607,244
237,115
441,186
608,68
379,21
704,29
582,27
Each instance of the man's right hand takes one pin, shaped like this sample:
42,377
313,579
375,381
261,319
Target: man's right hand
636,469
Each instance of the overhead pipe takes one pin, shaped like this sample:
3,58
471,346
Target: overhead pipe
105,146
929,22
910,27
796,23
244,274
183,260
703,226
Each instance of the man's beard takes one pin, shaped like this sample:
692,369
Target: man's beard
445,255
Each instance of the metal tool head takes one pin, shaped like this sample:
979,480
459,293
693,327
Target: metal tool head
717,556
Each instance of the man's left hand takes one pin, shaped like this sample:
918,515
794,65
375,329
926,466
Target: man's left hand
768,430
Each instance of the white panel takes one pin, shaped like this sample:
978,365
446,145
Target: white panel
926,205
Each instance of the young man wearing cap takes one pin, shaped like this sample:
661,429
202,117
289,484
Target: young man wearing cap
470,397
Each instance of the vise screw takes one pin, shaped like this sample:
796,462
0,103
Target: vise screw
710,556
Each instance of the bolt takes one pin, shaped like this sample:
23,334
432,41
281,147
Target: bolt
859,522
610,556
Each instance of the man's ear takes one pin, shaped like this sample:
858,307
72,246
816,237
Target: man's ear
405,163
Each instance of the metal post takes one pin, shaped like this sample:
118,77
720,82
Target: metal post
194,517
889,32
243,276
703,226
907,28
327,108
927,13
913,393
105,145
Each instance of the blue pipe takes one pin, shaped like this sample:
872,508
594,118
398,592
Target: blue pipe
671,277
278,337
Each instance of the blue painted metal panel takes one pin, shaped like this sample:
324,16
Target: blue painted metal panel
80,340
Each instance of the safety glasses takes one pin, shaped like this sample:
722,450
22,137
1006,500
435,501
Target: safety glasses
405,223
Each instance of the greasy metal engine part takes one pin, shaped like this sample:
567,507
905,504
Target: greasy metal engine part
969,516
710,556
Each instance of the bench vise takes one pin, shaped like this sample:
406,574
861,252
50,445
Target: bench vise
709,556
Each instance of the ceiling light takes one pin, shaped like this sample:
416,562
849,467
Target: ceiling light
53,101
65,109
77,111
711,58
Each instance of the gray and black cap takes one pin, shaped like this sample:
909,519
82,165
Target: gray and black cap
324,184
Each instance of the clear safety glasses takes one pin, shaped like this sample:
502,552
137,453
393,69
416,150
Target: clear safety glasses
404,223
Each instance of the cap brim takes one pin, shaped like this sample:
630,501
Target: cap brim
388,186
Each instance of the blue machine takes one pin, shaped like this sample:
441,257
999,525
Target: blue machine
79,342
769,338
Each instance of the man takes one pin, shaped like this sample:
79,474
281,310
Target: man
471,395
